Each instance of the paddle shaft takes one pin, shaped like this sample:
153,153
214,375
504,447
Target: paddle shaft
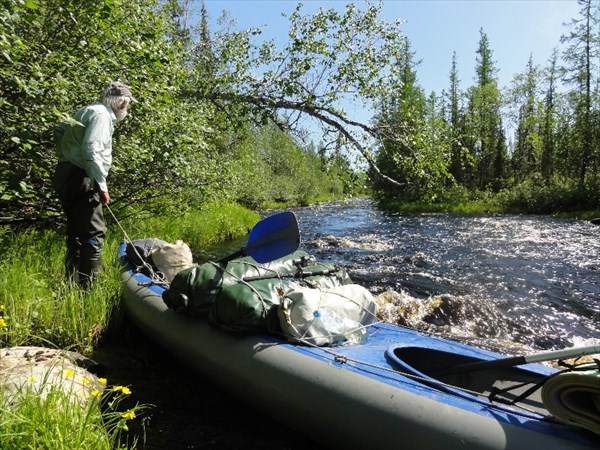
518,360
302,274
231,256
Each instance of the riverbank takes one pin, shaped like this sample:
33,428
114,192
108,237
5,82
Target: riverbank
475,207
38,307
556,198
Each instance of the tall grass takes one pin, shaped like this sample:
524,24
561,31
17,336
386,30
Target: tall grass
40,307
532,196
37,303
53,418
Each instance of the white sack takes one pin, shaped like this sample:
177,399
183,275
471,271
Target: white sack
170,259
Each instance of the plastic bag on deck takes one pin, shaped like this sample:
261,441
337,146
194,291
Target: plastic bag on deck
326,316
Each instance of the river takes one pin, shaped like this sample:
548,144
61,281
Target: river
514,284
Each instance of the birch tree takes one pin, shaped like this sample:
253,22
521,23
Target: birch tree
333,71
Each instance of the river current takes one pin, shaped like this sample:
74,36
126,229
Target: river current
514,284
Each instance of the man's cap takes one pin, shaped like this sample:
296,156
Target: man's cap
118,89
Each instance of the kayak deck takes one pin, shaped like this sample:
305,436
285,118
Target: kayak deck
404,357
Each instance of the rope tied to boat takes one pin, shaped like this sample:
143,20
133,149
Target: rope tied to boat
265,307
156,278
367,366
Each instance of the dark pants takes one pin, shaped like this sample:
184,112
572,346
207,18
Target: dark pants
86,229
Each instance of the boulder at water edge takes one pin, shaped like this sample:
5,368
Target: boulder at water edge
38,371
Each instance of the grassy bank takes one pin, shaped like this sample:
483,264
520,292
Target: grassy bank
468,208
477,208
39,307
311,201
527,198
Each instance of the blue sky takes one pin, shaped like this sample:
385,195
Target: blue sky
516,29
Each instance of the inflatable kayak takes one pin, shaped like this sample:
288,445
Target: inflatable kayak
399,388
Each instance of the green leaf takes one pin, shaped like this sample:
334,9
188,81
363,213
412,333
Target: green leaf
31,4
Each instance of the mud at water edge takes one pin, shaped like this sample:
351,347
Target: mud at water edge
187,411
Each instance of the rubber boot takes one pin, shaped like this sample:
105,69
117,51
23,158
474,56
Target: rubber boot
90,261
72,259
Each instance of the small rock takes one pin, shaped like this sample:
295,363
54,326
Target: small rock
39,370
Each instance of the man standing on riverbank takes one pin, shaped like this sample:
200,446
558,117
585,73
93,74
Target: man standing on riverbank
84,159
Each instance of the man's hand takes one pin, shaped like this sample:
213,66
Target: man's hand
104,198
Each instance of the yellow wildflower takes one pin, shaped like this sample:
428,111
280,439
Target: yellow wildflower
69,373
102,380
3,323
85,381
31,379
96,393
128,415
124,389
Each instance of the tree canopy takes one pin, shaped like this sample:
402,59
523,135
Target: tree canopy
223,113
331,59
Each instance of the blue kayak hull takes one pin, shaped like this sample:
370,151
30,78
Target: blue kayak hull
347,396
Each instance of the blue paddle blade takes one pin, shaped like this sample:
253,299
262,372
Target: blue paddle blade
273,237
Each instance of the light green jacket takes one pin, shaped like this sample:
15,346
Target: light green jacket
89,144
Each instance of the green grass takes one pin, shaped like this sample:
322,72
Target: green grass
37,304
476,208
530,197
50,417
467,208
39,307
213,224
581,215
311,201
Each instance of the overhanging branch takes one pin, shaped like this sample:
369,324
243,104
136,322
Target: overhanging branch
324,115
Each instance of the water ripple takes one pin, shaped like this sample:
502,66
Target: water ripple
530,281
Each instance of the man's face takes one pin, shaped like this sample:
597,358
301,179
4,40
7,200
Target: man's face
121,111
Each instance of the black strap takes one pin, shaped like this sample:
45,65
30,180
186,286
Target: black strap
495,391
569,368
